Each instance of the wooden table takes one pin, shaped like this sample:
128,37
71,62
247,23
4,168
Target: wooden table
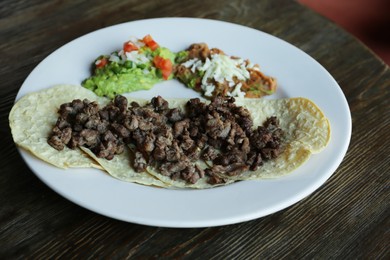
348,217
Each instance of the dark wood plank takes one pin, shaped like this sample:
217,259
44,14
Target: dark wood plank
348,217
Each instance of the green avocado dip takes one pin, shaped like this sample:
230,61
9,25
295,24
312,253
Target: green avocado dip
138,66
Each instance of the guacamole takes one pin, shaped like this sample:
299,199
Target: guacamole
138,66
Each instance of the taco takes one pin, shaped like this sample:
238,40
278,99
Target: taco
281,135
177,143
32,119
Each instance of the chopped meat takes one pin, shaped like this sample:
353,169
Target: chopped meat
159,103
80,124
145,125
60,138
190,174
121,102
174,115
186,142
148,144
92,122
131,122
169,139
120,130
210,153
139,162
231,169
173,152
180,126
91,137
169,168
159,152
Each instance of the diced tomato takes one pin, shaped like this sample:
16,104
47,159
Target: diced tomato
165,65
148,40
101,63
129,46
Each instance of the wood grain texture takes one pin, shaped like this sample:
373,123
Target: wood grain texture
347,218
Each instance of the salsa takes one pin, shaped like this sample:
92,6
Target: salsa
214,73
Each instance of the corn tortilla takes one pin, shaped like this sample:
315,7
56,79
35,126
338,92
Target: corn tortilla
120,168
307,131
33,117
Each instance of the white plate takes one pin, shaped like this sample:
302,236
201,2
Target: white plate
297,74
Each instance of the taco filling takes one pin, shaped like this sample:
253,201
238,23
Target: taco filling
173,141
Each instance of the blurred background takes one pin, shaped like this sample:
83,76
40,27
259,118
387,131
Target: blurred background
367,20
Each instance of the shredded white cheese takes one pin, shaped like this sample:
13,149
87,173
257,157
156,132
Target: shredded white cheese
189,63
237,91
221,68
208,90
